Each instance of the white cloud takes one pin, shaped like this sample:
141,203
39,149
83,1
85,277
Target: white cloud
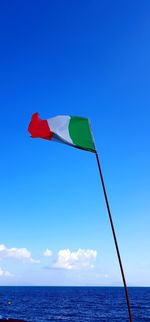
81,259
47,253
4,273
18,253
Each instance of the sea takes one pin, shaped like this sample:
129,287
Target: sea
74,304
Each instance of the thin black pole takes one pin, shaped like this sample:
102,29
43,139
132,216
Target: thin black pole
114,235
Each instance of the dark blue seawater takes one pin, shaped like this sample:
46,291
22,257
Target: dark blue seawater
80,304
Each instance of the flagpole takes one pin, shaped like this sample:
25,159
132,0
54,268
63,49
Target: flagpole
114,236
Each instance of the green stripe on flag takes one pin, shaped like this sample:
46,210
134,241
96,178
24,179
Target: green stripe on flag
80,133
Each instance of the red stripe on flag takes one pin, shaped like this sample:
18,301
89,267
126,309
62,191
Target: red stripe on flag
39,128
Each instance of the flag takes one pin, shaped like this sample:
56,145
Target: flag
71,130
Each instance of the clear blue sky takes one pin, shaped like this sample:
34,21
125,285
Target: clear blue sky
84,58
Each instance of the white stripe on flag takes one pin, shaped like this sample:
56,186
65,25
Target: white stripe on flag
60,126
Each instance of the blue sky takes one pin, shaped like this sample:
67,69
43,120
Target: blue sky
87,58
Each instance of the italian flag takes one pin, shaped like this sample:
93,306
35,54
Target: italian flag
71,130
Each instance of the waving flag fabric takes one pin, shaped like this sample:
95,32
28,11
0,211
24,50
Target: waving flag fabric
71,130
